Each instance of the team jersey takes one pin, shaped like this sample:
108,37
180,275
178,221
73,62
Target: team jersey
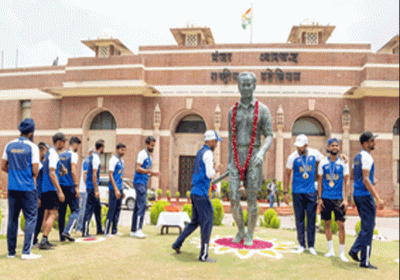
203,171
20,154
363,160
85,166
116,165
68,158
51,160
301,165
94,163
144,160
333,172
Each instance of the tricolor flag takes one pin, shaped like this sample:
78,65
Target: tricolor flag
247,18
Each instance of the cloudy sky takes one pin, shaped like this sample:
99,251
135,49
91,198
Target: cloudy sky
41,30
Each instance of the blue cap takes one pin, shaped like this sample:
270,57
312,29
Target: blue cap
26,126
330,141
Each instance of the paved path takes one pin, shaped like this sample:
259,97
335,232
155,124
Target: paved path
387,227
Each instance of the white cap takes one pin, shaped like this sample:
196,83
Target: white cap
211,135
91,150
301,140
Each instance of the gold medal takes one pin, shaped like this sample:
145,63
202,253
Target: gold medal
305,175
331,184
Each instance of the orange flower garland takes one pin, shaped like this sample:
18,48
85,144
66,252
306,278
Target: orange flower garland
234,142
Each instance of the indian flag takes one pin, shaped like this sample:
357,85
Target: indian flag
247,18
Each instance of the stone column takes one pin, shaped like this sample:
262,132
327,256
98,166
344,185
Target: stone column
4,213
155,181
279,160
217,127
346,119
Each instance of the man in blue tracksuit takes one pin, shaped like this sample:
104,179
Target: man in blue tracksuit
21,161
92,189
70,188
142,174
364,194
302,163
202,210
115,173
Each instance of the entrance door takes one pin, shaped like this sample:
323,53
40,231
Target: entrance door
186,164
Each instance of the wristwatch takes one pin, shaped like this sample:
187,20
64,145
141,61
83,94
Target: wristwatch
285,192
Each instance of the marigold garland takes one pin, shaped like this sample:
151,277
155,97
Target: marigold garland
234,142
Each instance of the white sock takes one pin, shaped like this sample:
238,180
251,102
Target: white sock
330,245
341,248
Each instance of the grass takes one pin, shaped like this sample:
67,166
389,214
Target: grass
123,257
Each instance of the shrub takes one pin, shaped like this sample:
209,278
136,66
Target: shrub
225,189
68,213
22,222
334,225
188,209
168,193
159,192
268,215
1,217
218,211
156,209
358,228
177,194
275,222
104,211
245,217
263,193
188,194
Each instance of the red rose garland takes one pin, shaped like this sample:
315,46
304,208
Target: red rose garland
234,142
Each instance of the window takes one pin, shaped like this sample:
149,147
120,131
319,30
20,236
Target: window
308,126
105,158
191,40
191,124
103,121
396,128
25,109
104,51
396,50
312,38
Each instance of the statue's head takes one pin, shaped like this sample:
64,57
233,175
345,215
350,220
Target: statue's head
247,84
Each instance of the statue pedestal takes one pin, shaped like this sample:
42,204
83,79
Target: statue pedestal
4,213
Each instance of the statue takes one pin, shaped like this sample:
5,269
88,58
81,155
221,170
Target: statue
248,120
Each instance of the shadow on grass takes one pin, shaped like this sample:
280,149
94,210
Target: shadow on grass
186,256
336,262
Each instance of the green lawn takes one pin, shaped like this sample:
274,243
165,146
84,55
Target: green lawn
123,257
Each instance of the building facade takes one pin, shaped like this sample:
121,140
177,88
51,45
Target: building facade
177,92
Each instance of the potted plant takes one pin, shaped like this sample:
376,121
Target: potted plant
177,195
168,193
188,196
159,194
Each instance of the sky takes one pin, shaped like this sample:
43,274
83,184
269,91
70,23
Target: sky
42,30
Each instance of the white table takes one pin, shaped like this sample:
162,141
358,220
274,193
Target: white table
172,219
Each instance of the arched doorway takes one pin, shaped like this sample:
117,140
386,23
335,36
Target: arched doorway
314,129
100,124
187,138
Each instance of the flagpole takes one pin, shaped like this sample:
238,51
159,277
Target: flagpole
252,22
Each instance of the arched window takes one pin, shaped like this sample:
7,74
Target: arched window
396,128
308,126
103,121
191,124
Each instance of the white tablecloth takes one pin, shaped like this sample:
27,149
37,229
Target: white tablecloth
173,219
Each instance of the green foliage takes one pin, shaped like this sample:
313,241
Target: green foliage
188,209
358,228
218,211
263,194
156,209
225,190
334,225
22,222
159,192
104,211
245,217
177,194
55,225
275,223
1,217
188,194
168,193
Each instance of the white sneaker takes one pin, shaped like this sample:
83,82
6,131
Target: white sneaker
10,256
30,256
312,251
331,253
343,258
140,234
118,233
300,250
133,234
110,235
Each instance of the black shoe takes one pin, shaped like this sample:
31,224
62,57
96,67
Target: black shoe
177,250
209,260
354,256
50,244
100,233
67,236
45,246
368,266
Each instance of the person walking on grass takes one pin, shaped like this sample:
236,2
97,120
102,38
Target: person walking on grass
21,162
333,190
